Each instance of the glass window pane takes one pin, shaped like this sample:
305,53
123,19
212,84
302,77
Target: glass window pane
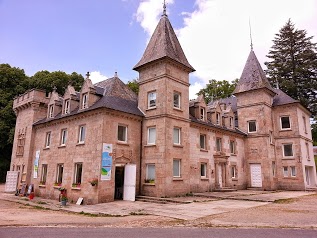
152,99
177,100
122,130
150,173
202,141
176,168
152,136
288,150
285,122
176,136
252,126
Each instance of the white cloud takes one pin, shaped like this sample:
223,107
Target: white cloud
96,77
194,89
216,37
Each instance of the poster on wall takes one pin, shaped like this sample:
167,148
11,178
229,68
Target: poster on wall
36,163
106,161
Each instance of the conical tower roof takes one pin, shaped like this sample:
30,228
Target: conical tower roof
252,77
164,43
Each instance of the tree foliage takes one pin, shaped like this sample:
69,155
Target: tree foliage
217,89
134,85
293,65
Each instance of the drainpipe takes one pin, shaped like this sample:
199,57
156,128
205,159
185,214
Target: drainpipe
141,153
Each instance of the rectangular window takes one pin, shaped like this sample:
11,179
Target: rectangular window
285,123
223,121
67,106
151,136
63,136
285,171
293,171
122,133
23,177
48,140
202,141
232,147
231,122
203,170
218,144
177,136
85,101
177,100
218,118
43,174
271,137
82,134
251,126
151,99
273,168
78,173
150,173
288,150
305,126
176,168
234,171
202,113
51,111
59,174
307,151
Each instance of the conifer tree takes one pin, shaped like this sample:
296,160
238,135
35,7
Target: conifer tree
293,65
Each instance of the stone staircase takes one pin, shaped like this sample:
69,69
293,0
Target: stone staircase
159,200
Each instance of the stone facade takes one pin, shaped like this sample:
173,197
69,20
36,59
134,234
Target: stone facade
259,138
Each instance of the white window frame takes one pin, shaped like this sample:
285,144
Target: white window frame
78,173
151,99
202,113
307,151
271,137
293,171
177,100
256,127
125,133
48,139
59,173
63,136
288,156
218,144
148,177
67,106
51,111
177,141
217,118
233,171
43,174
149,129
178,175
285,171
81,134
281,124
84,101
273,168
203,170
231,122
204,143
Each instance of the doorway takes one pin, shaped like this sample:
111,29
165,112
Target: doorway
256,175
119,182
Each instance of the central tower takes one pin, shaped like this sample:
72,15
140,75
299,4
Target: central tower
164,99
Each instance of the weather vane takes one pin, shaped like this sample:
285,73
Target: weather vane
164,9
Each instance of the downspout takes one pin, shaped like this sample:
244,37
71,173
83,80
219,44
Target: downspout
141,153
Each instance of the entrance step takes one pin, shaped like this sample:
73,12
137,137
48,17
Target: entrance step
225,189
159,200
311,189
255,189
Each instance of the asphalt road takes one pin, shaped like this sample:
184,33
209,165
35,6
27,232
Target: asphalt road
58,232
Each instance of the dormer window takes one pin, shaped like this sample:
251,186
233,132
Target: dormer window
85,101
151,99
51,111
202,113
217,118
67,107
177,100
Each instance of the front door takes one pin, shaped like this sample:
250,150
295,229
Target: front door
119,180
129,182
256,175
220,175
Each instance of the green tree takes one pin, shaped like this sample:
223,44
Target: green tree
134,85
293,65
48,80
217,89
13,81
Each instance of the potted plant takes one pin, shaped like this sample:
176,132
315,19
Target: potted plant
64,199
76,185
42,183
93,181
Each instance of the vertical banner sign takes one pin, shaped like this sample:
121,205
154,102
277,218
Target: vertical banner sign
36,164
106,161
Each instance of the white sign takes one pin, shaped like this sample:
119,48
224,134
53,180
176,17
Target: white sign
106,161
36,164
11,181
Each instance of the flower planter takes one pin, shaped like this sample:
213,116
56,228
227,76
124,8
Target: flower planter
63,203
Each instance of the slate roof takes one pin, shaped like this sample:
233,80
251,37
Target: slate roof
252,77
282,98
114,95
164,43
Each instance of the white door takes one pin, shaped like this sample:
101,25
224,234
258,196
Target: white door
129,182
256,175
220,175
307,176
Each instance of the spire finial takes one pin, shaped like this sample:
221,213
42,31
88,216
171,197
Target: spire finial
250,34
164,9
87,75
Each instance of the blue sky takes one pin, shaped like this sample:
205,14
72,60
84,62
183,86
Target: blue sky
107,36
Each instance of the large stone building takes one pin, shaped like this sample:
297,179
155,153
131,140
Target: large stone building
159,143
